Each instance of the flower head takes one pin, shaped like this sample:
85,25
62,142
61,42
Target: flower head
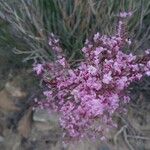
88,95
38,68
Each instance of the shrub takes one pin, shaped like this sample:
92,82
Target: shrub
88,94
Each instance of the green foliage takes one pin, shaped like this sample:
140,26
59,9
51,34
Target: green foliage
30,23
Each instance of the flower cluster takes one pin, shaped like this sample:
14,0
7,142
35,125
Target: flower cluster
87,96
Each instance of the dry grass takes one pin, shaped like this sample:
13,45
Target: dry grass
28,24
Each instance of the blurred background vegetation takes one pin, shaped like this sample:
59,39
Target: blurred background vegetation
25,25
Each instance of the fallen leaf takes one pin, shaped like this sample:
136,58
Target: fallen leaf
24,126
6,102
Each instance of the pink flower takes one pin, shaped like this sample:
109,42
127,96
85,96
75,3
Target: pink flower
38,68
92,69
121,83
148,73
117,66
128,41
107,78
47,93
148,64
125,14
98,50
96,107
96,36
62,61
84,49
147,51
139,76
